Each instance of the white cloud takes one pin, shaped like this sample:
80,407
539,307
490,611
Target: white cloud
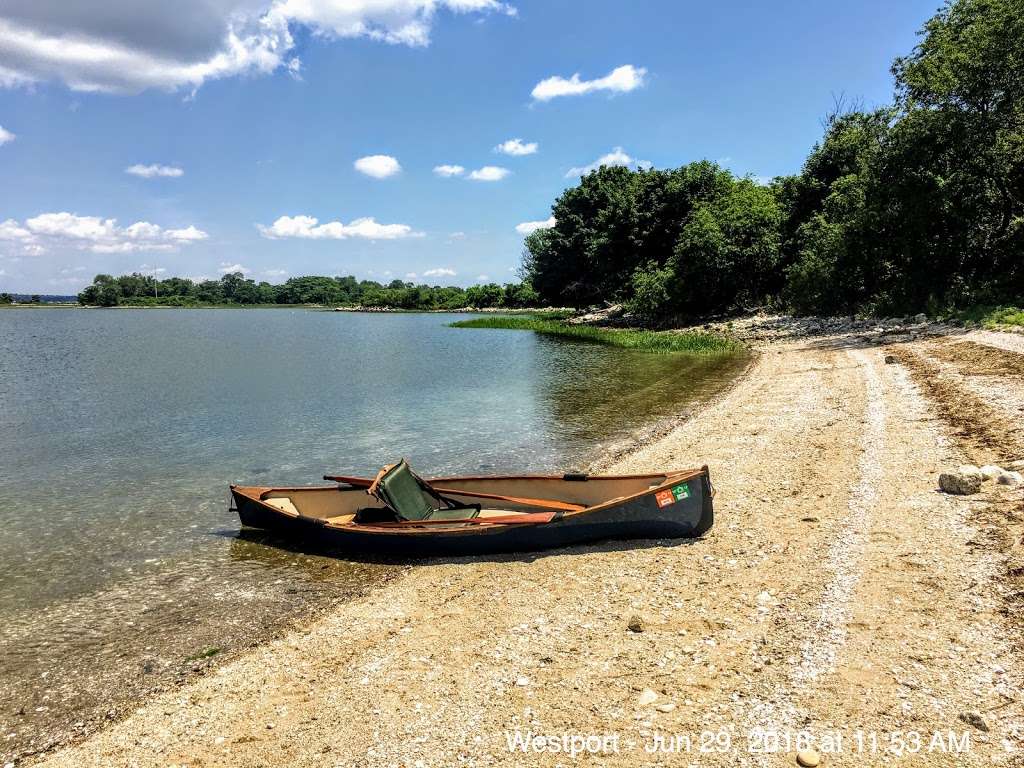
410,275
529,227
187,235
95,234
70,225
400,22
125,46
230,269
616,157
447,171
482,278
309,228
12,230
275,272
620,80
378,166
489,173
516,147
6,136
149,171
440,272
457,236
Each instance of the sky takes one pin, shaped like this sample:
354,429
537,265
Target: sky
410,139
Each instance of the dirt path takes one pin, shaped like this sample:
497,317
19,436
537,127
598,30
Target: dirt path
839,596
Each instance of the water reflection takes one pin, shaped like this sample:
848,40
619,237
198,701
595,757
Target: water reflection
596,392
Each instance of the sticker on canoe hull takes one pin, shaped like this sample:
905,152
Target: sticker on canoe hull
681,491
664,498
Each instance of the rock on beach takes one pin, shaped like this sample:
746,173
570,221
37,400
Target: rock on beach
1010,478
959,483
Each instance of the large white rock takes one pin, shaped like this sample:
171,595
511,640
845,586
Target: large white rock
991,471
969,470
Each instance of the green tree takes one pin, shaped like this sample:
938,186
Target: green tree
104,291
519,296
690,240
961,147
828,238
583,258
484,296
650,285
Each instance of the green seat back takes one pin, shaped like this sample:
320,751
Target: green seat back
400,490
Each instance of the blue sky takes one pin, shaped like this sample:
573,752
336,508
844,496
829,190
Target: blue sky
244,120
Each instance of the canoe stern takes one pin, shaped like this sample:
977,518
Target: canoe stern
251,512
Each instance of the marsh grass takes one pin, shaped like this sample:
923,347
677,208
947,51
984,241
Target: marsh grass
645,341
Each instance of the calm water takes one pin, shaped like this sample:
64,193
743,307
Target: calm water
120,431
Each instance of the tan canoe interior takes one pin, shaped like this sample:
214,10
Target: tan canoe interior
338,506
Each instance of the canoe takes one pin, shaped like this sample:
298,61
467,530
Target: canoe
498,513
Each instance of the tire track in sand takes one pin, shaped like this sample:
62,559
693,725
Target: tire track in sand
845,554
825,637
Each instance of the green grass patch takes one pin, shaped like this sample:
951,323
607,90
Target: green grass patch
1004,316
644,341
992,317
206,653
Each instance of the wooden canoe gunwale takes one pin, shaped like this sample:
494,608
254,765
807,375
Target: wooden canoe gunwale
671,478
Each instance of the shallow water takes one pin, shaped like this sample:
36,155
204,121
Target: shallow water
120,431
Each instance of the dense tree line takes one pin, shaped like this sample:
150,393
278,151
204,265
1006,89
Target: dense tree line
919,206
35,298
235,288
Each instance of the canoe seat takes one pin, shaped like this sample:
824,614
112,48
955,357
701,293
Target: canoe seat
399,488
284,504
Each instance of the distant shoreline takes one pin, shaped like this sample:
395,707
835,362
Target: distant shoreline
320,307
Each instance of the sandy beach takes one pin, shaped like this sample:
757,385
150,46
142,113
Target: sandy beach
839,593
